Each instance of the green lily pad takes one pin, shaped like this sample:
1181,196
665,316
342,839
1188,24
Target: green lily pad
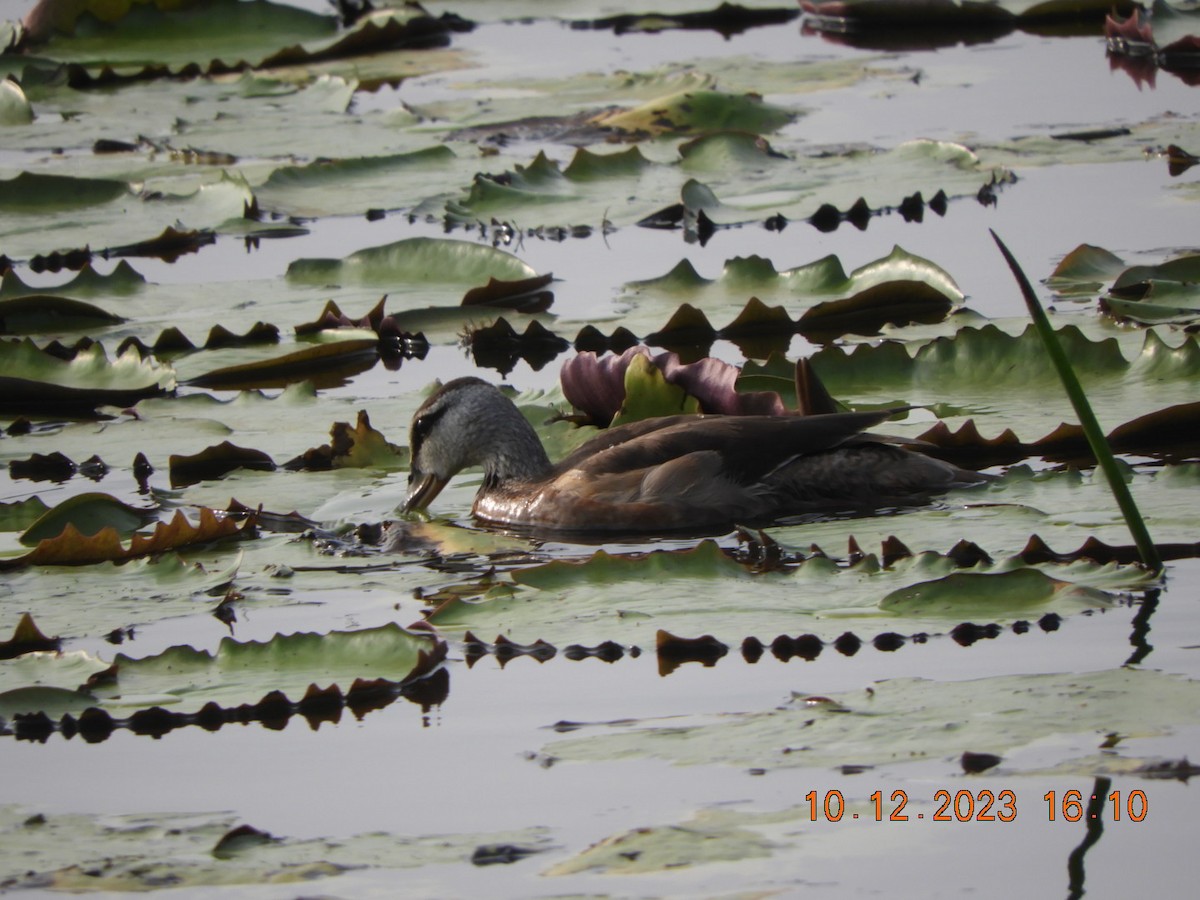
969,595
628,598
72,852
347,186
199,33
907,719
14,105
75,213
122,281
89,513
39,381
243,672
41,313
423,260
694,111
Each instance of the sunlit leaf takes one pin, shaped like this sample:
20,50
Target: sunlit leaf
648,394
692,111
357,447
35,381
14,105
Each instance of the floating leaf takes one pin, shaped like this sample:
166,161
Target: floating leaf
19,515
693,111
71,548
325,365
970,596
122,281
47,313
433,260
140,852
214,462
139,33
27,638
14,105
890,303
350,186
359,447
31,192
526,295
907,719
1085,269
35,381
242,672
88,514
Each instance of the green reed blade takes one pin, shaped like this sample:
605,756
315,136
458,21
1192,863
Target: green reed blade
1091,428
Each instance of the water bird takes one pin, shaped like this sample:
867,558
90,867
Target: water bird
681,473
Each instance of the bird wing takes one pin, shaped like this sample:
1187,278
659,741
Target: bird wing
748,447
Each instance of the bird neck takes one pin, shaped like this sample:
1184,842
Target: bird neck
512,450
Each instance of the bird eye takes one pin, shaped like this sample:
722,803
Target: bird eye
421,426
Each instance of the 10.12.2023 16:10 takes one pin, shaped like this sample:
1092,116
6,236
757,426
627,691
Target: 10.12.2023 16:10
978,806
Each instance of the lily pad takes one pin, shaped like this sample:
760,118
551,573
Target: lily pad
89,514
73,852
972,596
923,720
423,260
40,313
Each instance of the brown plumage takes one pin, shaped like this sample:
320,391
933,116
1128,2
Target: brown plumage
679,473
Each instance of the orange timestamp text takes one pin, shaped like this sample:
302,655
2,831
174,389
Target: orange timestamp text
980,806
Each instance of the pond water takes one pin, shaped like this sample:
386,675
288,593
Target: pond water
564,755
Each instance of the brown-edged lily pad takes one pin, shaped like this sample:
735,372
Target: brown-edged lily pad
358,447
27,638
71,548
89,514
